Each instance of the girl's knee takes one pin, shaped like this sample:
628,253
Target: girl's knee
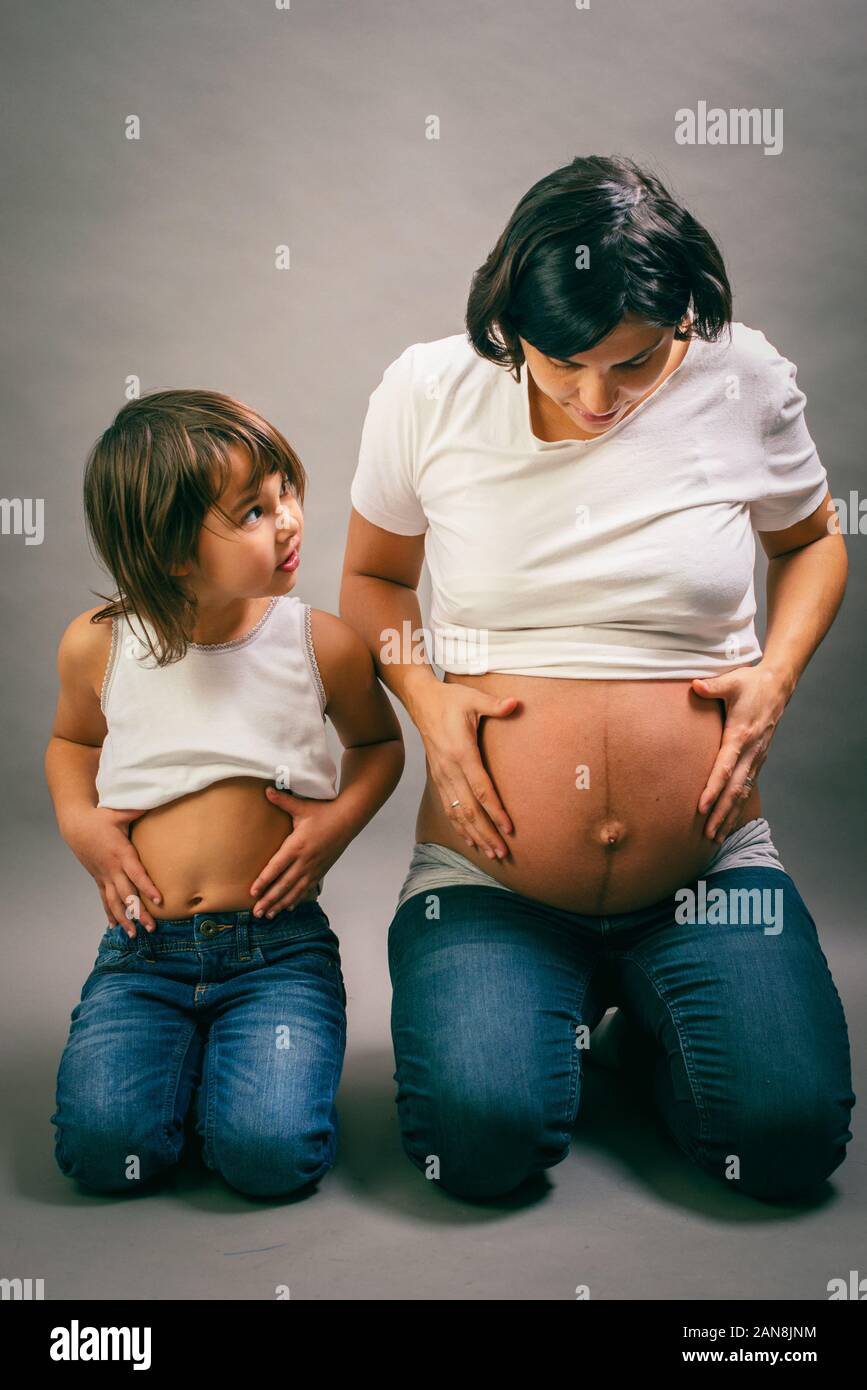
111,1158
275,1165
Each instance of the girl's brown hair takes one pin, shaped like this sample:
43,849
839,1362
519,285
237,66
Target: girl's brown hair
150,481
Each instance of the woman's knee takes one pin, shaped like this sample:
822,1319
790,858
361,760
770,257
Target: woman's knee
785,1155
487,1150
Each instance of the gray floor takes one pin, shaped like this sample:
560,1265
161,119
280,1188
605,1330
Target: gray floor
625,1213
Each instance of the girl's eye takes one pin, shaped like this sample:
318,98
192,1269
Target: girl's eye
285,487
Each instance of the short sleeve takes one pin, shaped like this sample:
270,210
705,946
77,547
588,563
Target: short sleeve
794,480
383,488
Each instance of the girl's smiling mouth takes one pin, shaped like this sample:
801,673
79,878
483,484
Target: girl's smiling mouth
291,561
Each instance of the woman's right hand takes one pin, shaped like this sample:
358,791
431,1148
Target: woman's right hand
99,839
447,717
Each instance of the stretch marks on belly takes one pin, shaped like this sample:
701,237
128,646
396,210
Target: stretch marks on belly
436,866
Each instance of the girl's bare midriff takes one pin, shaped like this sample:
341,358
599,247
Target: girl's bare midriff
204,850
600,779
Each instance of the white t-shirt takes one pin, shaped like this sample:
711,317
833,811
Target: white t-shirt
626,556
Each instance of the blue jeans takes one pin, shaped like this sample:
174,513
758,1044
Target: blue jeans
737,1028
246,1016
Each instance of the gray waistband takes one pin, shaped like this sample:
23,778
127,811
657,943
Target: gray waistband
436,866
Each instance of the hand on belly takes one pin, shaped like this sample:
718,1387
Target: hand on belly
601,780
204,850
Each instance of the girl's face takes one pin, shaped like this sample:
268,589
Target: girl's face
599,387
245,560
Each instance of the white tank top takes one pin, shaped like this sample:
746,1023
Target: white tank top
252,707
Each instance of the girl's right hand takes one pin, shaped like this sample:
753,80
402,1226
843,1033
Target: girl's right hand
99,839
447,717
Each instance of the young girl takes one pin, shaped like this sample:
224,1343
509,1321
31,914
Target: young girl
201,682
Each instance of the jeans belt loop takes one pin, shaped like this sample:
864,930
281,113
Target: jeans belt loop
145,946
242,935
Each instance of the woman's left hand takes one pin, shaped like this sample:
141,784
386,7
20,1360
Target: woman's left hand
754,699
319,837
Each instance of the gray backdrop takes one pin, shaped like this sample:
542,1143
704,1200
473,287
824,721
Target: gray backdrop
156,258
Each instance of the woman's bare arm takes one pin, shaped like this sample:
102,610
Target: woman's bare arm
381,571
378,597
807,570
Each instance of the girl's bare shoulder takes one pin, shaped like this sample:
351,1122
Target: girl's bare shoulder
84,649
341,655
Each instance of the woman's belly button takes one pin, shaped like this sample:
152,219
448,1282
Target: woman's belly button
609,833
595,863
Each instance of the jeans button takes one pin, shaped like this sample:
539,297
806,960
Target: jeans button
208,928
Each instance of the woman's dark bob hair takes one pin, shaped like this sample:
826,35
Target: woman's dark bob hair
587,244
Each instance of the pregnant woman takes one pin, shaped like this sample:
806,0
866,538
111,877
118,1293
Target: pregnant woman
592,751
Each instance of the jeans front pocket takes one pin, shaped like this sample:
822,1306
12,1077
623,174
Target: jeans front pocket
315,951
116,951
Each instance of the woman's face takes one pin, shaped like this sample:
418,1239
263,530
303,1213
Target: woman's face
598,387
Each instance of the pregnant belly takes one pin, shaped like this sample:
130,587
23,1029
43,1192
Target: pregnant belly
601,780
204,850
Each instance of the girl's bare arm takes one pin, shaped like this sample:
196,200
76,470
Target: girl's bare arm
371,767
97,836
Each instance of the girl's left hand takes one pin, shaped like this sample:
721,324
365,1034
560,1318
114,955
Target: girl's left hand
754,699
317,841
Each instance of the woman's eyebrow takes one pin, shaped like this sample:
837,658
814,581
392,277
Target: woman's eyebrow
567,361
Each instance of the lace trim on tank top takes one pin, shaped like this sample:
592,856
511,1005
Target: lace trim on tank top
237,641
109,665
311,657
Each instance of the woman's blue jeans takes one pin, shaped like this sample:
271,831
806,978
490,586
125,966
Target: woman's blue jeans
736,1023
245,1017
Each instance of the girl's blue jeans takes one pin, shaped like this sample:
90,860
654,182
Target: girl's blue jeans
736,1024
243,1019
